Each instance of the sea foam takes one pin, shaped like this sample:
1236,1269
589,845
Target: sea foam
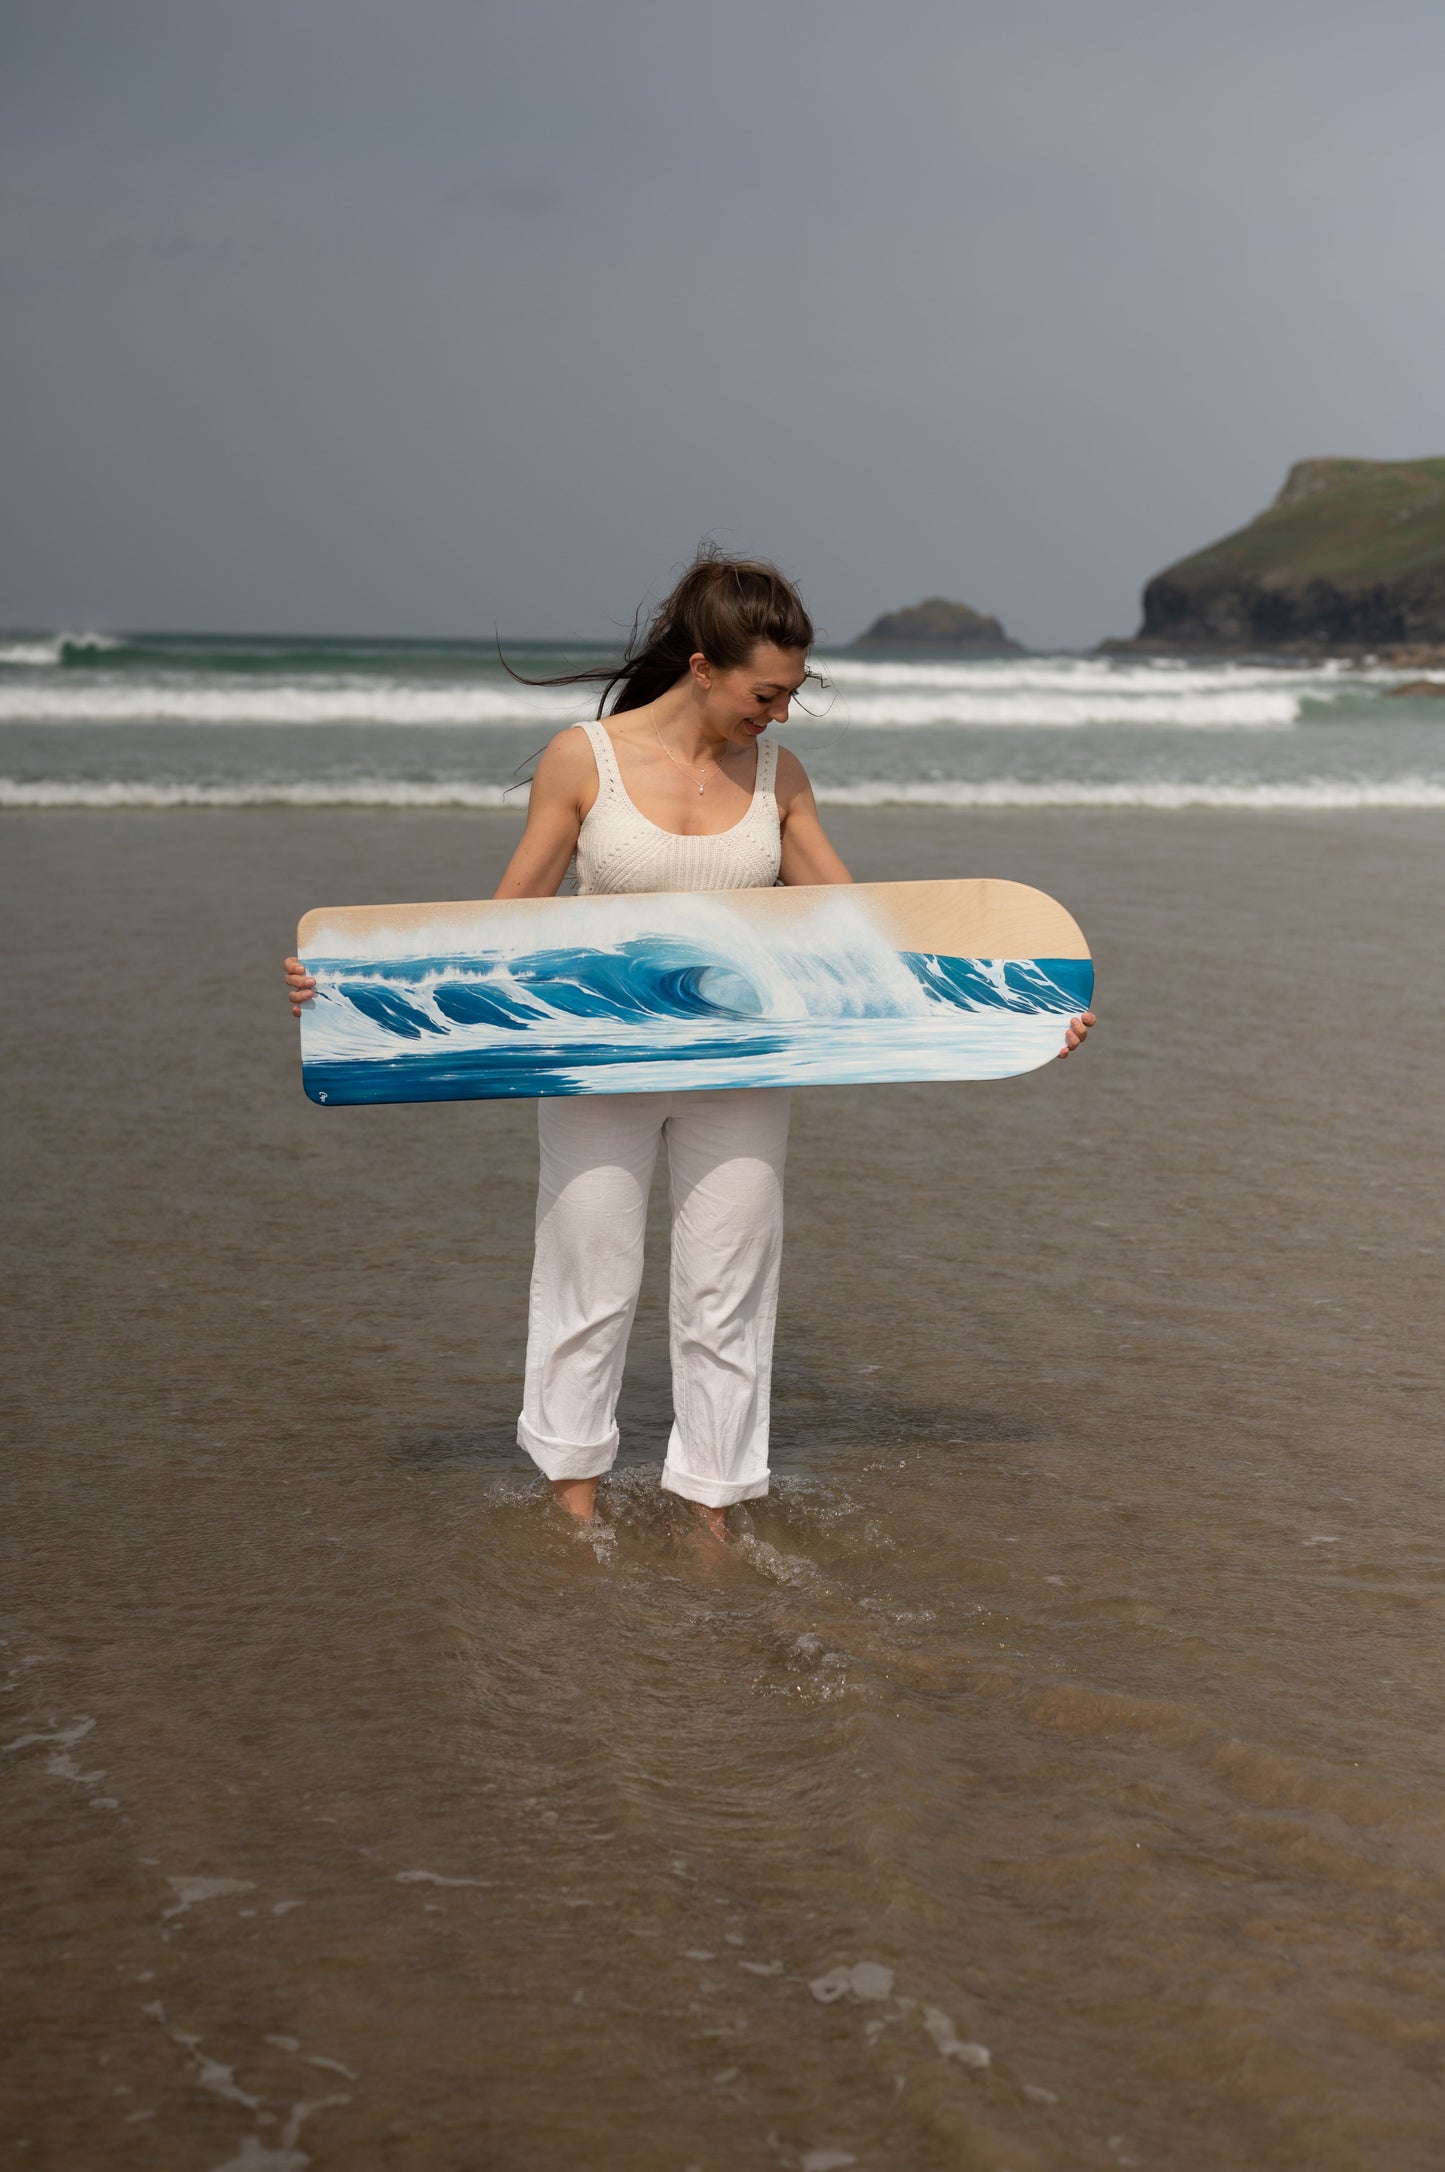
1033,694
1304,795
60,792
48,650
176,699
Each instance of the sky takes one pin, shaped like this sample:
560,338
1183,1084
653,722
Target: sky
444,315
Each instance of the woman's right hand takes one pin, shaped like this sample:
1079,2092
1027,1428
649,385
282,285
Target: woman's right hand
300,985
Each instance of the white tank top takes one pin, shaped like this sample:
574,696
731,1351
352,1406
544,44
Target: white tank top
618,848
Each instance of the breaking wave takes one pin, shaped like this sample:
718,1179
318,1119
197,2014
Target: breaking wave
469,706
1249,795
1040,709
1063,673
92,720
45,651
59,792
1162,795
110,682
177,700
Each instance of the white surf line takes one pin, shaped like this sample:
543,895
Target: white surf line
1318,795
1309,795
364,792
178,701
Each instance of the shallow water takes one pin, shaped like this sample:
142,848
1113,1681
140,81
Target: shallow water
1050,1778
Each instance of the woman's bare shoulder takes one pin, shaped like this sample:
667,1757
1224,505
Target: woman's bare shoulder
566,771
792,778
568,754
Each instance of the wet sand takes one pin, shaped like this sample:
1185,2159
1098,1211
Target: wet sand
1076,1694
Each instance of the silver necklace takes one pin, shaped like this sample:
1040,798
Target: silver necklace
678,761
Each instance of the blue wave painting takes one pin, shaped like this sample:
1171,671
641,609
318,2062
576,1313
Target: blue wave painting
713,998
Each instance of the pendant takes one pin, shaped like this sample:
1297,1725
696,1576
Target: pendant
702,788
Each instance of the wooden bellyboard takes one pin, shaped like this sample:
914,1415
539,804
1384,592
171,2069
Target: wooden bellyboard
672,991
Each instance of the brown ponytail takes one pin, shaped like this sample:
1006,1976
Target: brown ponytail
722,607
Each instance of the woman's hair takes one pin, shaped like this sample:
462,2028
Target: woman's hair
722,607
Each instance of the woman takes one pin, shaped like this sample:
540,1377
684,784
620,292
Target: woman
677,788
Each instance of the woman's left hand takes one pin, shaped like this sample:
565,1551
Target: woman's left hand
1078,1033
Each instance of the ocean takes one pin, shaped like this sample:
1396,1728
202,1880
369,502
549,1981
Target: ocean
89,720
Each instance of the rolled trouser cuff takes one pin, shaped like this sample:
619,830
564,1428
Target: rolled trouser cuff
568,1458
712,1492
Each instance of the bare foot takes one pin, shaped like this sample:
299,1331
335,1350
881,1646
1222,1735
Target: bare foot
714,1519
578,1496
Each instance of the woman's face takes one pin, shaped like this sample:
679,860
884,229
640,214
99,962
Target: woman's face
741,701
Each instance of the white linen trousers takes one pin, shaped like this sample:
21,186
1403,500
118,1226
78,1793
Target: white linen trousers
725,1153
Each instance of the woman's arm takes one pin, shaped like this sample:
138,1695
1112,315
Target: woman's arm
563,789
808,855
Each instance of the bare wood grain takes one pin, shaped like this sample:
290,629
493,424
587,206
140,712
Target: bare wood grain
979,918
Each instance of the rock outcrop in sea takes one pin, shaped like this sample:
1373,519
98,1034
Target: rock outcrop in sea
1350,558
938,624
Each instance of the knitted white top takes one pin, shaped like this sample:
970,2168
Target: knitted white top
618,848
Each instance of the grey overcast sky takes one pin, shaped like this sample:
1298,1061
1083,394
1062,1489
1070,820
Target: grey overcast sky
424,316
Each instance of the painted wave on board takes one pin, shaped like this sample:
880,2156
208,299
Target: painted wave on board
716,1004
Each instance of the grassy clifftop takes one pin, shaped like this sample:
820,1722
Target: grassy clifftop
1350,556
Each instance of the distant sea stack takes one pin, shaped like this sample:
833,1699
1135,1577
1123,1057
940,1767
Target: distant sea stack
1349,558
938,624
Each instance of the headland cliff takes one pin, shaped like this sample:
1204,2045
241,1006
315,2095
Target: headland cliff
1348,560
